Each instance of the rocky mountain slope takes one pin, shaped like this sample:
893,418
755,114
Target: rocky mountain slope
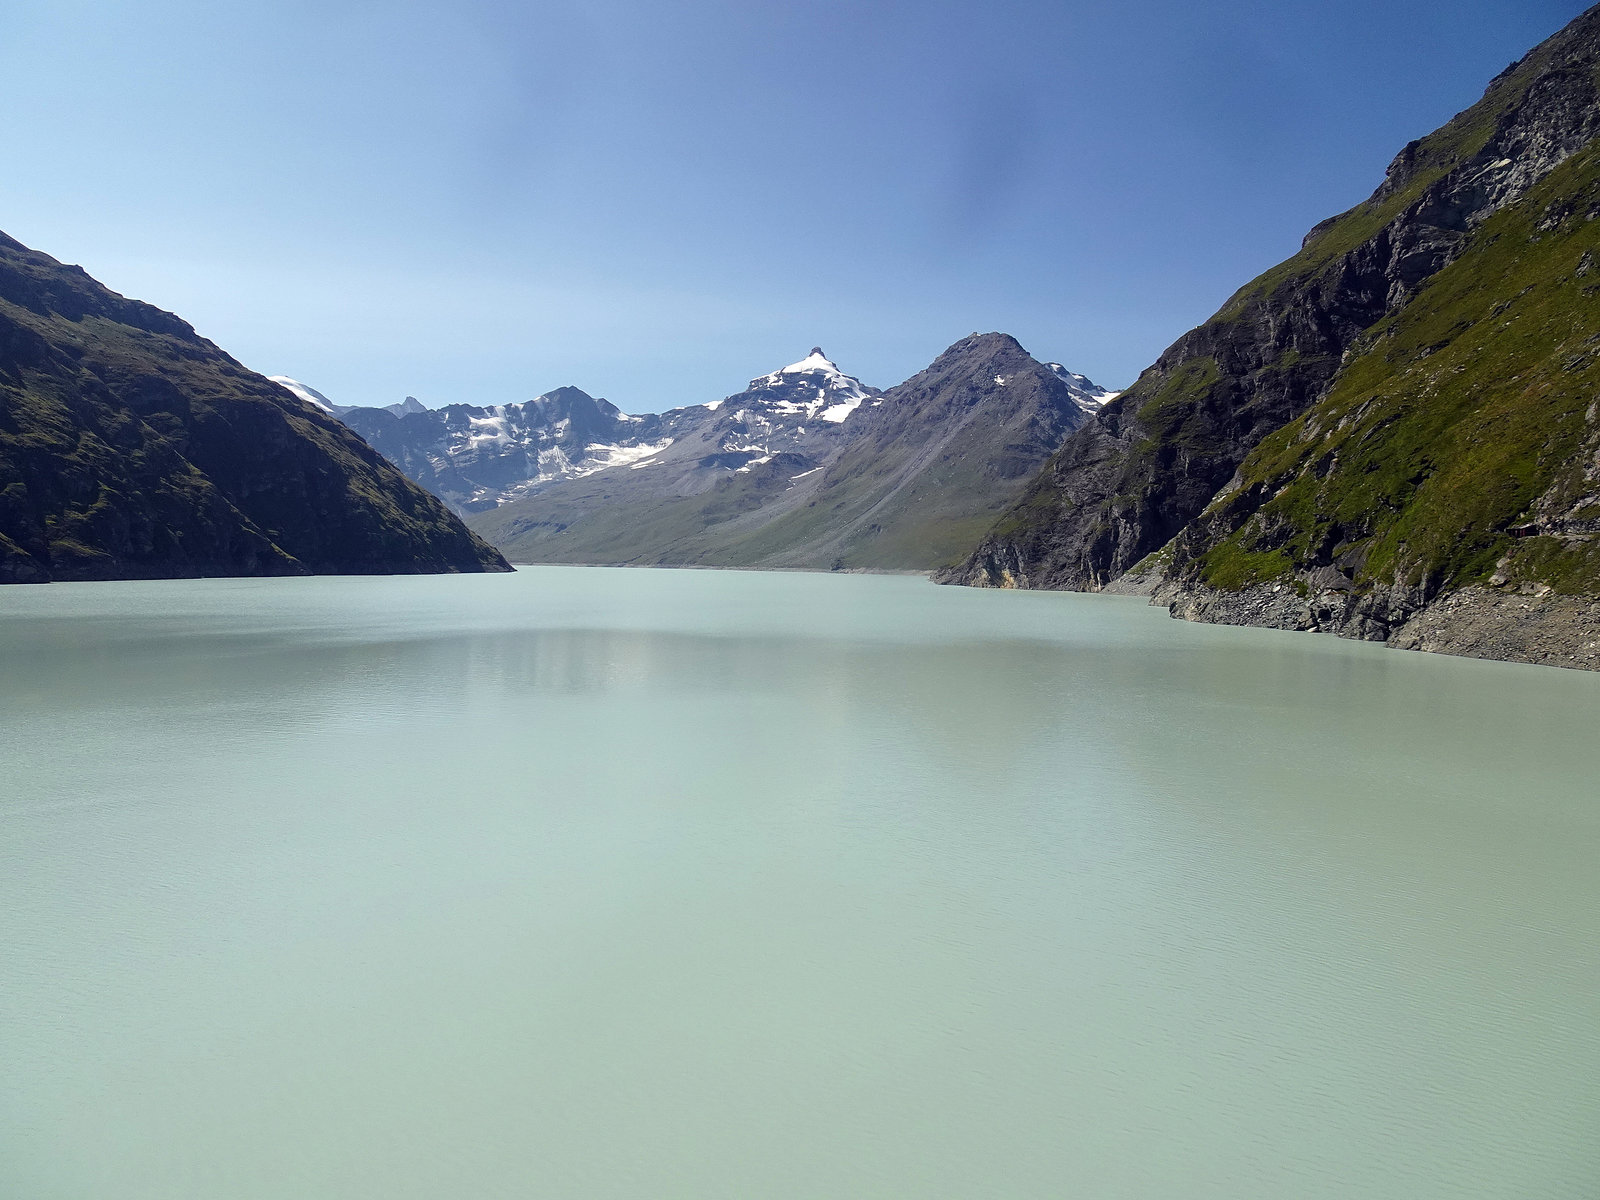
130,447
808,468
1392,434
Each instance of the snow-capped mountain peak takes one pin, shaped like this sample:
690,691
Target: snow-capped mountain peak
815,361
1086,392
787,425
813,388
309,394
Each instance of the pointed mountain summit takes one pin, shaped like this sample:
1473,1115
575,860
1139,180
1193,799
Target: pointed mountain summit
936,460
813,388
798,410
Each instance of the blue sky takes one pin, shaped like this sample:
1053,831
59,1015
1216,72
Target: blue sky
657,201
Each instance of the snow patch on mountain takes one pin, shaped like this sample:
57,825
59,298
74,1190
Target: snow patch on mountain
1086,392
827,392
603,457
309,394
488,429
317,400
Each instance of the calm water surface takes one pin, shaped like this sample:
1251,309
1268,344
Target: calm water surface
587,883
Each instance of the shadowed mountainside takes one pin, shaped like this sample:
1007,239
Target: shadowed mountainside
130,447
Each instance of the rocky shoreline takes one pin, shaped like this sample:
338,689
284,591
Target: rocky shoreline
1531,624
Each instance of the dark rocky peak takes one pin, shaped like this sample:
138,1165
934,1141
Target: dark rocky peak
566,399
564,403
1532,117
567,415
976,349
980,367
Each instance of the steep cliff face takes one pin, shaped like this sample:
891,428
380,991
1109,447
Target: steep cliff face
1445,493
1152,461
130,447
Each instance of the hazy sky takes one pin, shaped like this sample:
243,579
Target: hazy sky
656,201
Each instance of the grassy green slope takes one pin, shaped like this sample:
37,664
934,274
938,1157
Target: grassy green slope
602,520
1451,420
879,507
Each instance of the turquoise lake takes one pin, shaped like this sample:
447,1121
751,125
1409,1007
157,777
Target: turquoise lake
647,883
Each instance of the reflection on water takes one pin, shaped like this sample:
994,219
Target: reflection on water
622,883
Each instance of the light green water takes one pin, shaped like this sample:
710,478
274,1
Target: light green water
586,883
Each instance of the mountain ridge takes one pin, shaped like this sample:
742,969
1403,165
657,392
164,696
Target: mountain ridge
131,447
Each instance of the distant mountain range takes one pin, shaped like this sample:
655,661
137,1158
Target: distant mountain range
476,457
1395,434
130,447
807,466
